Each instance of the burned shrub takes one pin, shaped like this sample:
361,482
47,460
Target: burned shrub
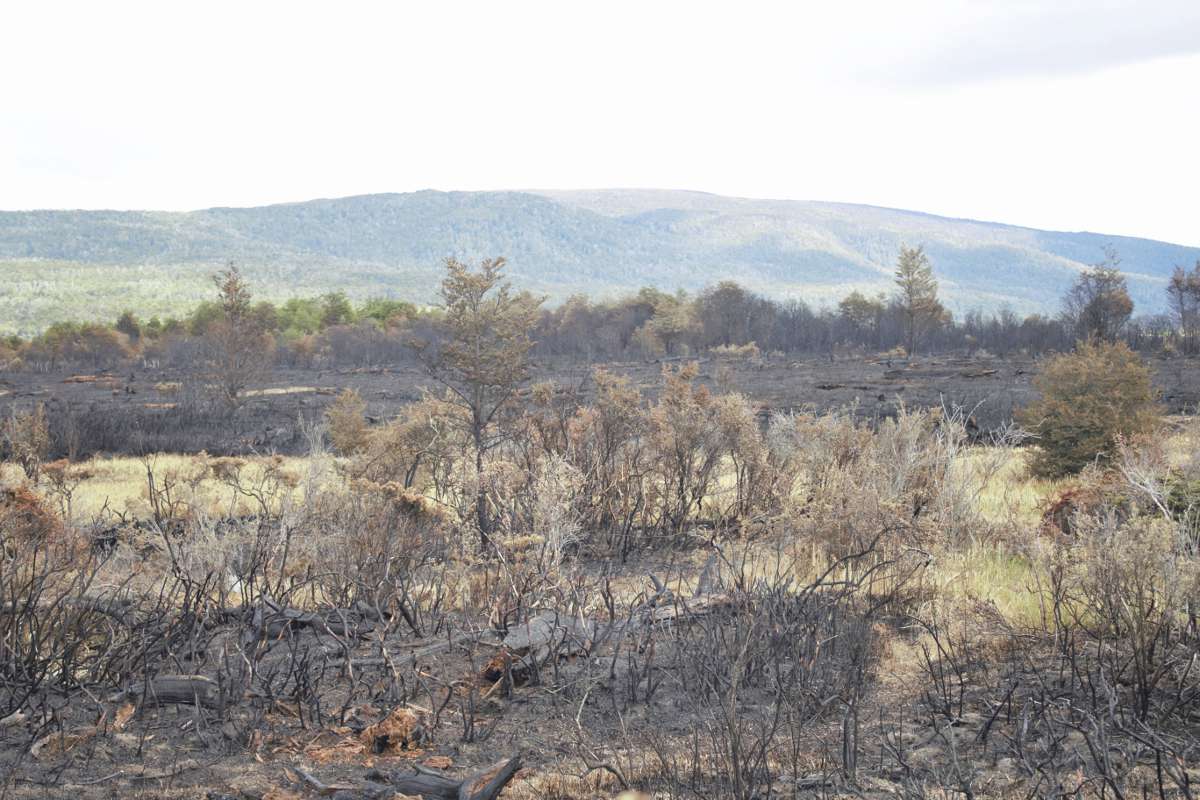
25,439
346,417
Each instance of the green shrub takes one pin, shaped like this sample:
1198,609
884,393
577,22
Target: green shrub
1089,400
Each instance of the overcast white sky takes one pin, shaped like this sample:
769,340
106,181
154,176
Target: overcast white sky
1063,114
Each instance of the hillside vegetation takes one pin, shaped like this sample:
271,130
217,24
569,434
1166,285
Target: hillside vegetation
90,264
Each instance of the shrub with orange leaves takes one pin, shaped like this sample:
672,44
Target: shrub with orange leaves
24,518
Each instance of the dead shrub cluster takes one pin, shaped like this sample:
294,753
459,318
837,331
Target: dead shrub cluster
618,473
1097,696
810,653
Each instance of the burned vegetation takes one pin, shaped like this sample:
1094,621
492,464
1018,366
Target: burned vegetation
508,586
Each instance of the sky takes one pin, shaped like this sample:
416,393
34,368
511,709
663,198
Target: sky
1064,115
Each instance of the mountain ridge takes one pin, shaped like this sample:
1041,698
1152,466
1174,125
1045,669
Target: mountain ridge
558,242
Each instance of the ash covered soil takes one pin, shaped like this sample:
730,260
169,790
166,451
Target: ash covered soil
147,409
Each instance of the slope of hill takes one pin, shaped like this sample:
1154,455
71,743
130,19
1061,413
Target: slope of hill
91,263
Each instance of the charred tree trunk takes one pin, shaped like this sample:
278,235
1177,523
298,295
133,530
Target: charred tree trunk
184,690
486,784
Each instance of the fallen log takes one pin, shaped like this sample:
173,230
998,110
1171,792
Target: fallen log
142,775
549,635
321,788
485,784
574,635
417,652
15,718
271,621
117,609
175,690
538,632
534,642
695,607
163,774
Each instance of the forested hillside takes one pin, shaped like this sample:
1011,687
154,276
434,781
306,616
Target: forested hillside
90,264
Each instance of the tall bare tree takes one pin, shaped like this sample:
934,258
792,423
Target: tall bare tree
483,358
1183,294
1098,305
917,296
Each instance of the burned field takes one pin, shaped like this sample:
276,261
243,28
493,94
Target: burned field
600,494
362,702
837,585
143,409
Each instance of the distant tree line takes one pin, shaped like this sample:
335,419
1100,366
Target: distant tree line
331,330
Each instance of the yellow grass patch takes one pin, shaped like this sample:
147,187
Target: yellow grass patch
121,483
281,390
1009,493
994,574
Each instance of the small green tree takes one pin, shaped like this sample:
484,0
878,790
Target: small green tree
917,296
674,319
483,358
863,314
860,310
238,350
336,310
128,324
1089,399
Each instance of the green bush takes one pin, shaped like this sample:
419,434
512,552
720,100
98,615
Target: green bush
1089,399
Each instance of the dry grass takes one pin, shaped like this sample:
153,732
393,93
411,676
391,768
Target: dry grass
988,571
119,484
1009,495
284,390
1182,440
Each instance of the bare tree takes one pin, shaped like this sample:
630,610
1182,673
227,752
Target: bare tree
484,358
1098,305
1183,293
